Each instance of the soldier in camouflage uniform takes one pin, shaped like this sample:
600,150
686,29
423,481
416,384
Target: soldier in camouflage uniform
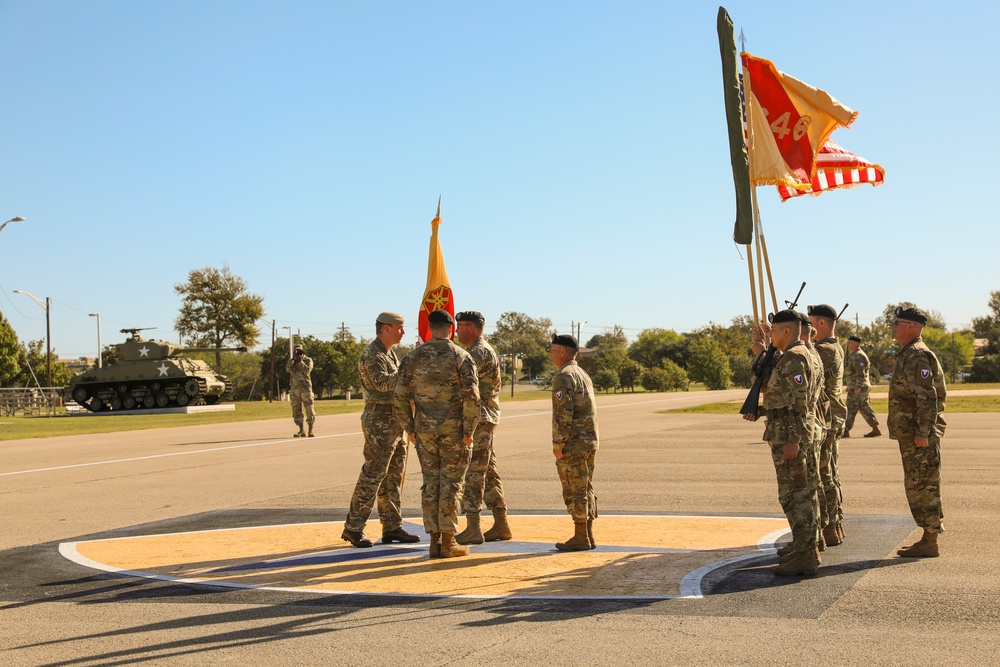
858,388
300,391
916,407
385,450
575,440
482,481
439,380
824,320
817,416
789,396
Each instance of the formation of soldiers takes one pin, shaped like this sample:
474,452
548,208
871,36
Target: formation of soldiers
806,418
446,400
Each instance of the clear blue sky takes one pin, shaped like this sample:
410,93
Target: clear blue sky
580,148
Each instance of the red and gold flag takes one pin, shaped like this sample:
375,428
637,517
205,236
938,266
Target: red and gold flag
437,293
788,121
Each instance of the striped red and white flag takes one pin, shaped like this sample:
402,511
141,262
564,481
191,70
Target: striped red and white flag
836,168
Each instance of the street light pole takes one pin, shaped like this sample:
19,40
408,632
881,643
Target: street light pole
289,330
47,304
99,348
17,219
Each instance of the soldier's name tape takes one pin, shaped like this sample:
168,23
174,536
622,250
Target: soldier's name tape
638,557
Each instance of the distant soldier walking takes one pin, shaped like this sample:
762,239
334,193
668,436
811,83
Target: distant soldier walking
916,407
300,391
438,379
575,440
385,452
482,481
858,388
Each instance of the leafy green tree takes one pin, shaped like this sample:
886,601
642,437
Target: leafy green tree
654,345
517,333
629,374
350,351
988,326
731,340
10,353
605,379
668,377
741,365
708,364
33,358
954,350
985,369
218,311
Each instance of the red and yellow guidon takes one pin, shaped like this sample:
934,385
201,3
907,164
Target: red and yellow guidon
638,556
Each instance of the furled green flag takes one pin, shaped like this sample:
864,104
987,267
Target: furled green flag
743,230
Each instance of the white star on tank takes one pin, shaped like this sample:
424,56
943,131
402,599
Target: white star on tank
163,368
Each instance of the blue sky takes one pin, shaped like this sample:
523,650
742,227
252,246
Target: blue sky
580,149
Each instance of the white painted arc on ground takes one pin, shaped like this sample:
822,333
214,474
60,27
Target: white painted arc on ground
690,584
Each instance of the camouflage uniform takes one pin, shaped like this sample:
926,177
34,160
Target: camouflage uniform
817,417
833,372
300,391
786,405
916,407
385,450
858,388
574,426
440,378
482,481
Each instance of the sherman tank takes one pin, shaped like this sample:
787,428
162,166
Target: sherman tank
151,374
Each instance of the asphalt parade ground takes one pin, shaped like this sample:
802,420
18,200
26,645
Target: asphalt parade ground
221,545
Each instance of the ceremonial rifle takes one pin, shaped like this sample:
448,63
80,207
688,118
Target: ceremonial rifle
762,369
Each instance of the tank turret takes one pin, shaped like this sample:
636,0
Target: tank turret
151,374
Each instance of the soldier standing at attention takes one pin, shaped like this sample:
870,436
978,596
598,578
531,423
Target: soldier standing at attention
858,388
916,405
482,481
575,440
824,320
300,390
385,451
439,379
787,398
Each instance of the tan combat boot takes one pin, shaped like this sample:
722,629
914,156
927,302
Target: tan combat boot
874,433
927,547
451,549
785,550
832,536
301,433
435,551
472,533
500,529
311,430
579,541
590,533
800,563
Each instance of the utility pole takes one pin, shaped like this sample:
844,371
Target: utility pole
270,394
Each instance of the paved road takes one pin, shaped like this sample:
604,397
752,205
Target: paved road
867,607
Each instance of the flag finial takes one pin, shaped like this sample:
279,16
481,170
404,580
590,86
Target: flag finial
743,40
439,207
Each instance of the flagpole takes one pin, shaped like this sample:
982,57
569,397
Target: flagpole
753,287
762,257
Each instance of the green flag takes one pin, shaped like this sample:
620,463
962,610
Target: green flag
743,230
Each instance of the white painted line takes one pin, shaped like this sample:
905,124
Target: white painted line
163,456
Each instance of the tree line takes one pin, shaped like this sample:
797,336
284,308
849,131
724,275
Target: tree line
218,311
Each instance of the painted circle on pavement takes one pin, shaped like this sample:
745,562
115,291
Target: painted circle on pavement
638,556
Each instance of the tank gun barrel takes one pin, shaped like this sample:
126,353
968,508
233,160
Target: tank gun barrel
187,350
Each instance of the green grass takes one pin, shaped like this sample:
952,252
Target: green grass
23,427
879,405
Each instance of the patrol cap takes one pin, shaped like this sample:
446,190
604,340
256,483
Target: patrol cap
566,341
823,310
389,317
440,317
856,339
471,316
783,317
911,315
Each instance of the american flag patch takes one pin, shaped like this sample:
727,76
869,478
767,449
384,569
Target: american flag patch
799,379
924,373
